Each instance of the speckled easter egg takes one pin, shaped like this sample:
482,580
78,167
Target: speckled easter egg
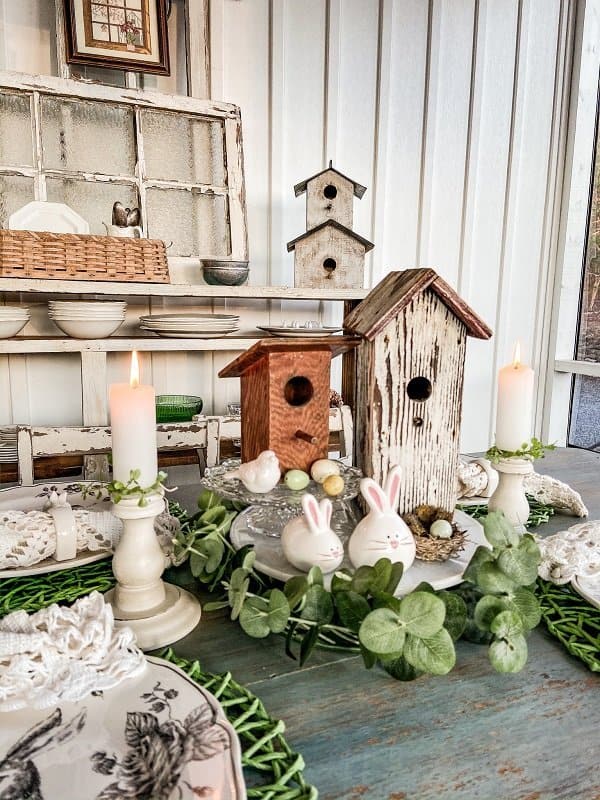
440,529
322,468
333,485
296,479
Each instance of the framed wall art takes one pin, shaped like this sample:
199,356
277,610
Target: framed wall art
120,34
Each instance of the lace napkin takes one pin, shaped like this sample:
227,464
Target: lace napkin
571,553
28,537
63,654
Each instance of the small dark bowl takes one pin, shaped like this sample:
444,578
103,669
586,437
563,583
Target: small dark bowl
225,273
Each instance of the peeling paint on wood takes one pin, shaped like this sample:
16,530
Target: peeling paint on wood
426,340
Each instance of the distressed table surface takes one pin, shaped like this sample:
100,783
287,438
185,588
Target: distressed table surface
471,735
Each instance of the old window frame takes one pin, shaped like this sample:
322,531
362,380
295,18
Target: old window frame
564,302
226,113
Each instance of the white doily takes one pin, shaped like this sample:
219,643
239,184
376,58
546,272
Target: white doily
472,479
28,537
63,654
473,476
569,553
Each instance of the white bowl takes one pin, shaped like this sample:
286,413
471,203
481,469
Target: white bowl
92,309
10,310
10,327
87,303
88,329
74,315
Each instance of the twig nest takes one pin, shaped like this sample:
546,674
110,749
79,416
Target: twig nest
437,538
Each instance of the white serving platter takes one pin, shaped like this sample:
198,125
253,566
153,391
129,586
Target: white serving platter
158,735
35,498
588,588
39,215
189,334
440,574
298,333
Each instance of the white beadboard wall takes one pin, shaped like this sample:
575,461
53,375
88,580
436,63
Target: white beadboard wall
451,112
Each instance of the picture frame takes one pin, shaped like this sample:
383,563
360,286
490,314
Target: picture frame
118,34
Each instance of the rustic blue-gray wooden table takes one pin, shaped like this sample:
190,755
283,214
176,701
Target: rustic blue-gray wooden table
473,734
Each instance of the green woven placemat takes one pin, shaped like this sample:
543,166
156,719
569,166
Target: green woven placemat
272,770
574,621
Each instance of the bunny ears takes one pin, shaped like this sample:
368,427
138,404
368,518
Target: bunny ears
317,515
386,499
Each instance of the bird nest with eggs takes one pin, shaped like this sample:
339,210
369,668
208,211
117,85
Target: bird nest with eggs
437,538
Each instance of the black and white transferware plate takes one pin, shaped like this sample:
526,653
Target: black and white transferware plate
159,736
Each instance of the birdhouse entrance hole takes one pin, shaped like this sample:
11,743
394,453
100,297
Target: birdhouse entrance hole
329,265
298,391
330,191
419,389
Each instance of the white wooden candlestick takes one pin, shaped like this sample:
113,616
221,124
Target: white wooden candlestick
510,496
158,612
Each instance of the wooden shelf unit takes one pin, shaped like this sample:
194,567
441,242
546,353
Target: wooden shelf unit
121,289
25,345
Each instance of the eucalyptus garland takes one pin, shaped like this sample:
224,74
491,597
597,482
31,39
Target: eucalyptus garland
407,636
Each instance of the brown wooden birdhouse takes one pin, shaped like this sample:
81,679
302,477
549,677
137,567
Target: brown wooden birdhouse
409,383
330,254
285,397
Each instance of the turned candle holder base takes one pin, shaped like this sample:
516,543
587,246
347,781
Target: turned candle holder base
158,612
509,496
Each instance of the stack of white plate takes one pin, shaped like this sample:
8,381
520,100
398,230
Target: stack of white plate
12,320
8,445
87,319
190,326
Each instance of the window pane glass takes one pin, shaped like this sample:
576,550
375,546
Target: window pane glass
183,148
195,223
588,345
15,191
16,143
585,413
93,201
88,136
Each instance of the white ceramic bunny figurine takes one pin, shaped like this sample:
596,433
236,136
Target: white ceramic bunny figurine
308,540
382,533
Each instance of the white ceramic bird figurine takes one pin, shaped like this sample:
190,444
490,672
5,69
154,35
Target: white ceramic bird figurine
261,475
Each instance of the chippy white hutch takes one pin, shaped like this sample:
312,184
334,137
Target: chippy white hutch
50,107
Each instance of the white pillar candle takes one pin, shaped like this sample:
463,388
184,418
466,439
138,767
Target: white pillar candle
133,428
515,404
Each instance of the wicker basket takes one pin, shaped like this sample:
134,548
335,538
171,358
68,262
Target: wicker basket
71,256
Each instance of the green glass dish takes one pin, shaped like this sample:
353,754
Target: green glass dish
177,407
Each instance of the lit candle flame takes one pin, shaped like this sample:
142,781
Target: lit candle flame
517,355
134,374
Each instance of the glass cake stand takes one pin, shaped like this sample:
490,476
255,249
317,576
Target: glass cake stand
272,510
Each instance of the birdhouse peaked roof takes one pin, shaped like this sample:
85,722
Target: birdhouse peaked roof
334,224
359,190
393,294
336,345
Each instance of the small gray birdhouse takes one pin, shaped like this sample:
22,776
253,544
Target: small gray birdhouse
409,383
329,195
330,254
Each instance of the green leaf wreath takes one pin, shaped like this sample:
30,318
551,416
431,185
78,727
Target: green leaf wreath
408,636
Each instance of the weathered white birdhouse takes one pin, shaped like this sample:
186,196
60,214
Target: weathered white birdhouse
330,256
329,195
409,383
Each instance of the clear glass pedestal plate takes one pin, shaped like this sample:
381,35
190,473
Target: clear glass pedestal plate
270,512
